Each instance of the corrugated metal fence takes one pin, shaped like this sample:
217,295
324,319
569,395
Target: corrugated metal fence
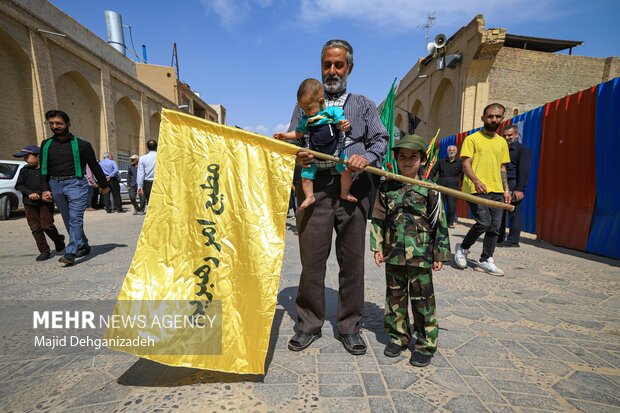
573,194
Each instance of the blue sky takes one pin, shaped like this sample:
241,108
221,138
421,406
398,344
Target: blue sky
251,55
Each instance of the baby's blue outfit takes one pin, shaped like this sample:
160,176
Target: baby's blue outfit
323,136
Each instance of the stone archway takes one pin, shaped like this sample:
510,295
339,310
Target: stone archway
418,111
400,123
79,100
154,126
127,127
444,112
17,120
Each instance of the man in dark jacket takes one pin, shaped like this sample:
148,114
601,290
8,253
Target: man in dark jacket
450,172
63,176
518,171
132,186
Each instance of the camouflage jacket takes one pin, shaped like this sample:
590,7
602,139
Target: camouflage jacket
409,225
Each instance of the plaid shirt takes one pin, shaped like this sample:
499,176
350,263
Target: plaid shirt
367,136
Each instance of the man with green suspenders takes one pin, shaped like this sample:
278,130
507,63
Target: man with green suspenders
63,171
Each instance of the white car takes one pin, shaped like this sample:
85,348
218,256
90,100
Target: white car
10,198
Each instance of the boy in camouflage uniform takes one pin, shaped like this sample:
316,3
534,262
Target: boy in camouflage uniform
409,233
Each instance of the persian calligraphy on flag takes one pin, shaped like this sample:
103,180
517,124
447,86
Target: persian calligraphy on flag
203,282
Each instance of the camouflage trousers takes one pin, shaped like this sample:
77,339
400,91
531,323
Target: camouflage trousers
404,283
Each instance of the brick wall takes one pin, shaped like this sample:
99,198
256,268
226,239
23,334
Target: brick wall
525,79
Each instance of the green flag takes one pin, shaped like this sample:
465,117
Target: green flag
387,118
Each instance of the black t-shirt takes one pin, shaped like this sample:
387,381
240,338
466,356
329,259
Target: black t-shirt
60,160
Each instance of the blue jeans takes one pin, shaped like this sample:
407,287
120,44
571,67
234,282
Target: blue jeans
72,198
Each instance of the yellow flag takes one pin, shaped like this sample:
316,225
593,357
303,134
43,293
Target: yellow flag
201,289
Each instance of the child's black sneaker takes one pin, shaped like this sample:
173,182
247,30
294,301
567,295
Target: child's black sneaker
393,349
419,359
45,255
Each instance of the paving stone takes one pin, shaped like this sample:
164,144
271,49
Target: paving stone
454,338
502,374
337,358
463,366
373,382
484,390
332,390
611,358
338,405
399,378
408,402
336,367
515,348
481,347
593,407
302,365
518,387
554,367
279,375
274,394
461,404
439,360
449,379
595,381
499,408
380,405
587,356
366,364
533,402
491,362
571,390
339,378
108,392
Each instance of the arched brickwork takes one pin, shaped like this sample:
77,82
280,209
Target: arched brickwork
444,111
17,120
77,98
127,126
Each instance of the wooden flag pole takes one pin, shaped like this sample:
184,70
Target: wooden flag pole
430,185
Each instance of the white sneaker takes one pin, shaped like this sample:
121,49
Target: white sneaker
489,267
460,257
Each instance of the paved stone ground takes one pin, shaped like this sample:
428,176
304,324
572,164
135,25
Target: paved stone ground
544,338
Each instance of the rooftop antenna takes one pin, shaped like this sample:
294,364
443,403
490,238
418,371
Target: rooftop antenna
430,18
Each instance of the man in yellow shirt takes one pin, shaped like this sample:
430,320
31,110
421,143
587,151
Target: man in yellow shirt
484,155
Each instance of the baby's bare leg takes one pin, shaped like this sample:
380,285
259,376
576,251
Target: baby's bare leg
308,188
345,186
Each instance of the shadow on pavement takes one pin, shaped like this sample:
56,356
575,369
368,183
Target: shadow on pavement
100,250
148,373
371,321
152,374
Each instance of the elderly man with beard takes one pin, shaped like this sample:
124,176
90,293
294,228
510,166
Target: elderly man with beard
485,155
364,144
63,174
